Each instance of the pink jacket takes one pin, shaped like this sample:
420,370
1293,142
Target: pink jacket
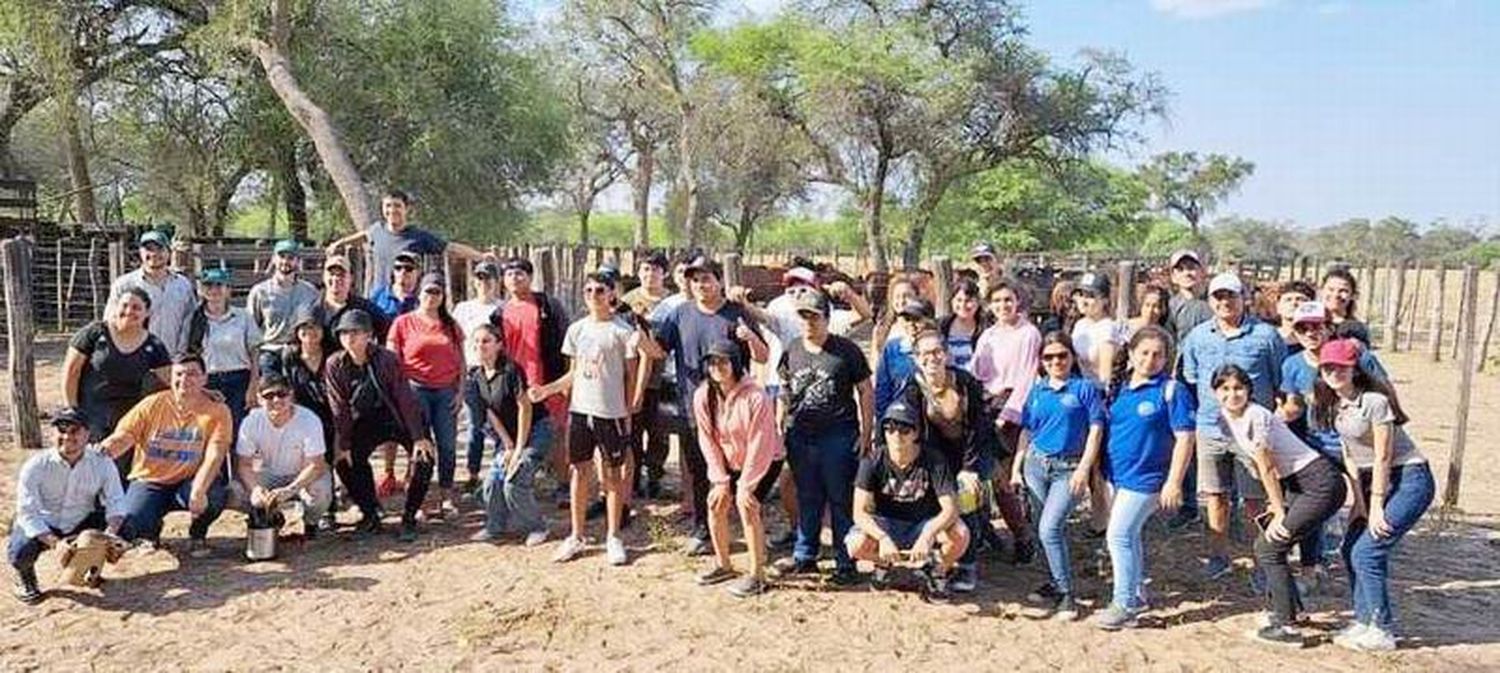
747,440
1007,358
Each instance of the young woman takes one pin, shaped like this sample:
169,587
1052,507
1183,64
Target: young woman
737,434
1151,428
1340,293
429,344
229,342
1392,482
522,433
1063,311
1062,426
1155,309
898,358
1006,362
1096,335
962,327
1303,489
901,291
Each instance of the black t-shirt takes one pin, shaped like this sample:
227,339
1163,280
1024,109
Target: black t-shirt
111,379
910,494
819,387
329,317
500,392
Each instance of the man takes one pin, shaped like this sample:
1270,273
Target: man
279,454
470,314
1231,337
59,494
400,294
1299,373
181,437
1290,296
395,234
686,334
651,452
533,327
275,302
1186,309
339,298
172,296
987,265
906,507
827,408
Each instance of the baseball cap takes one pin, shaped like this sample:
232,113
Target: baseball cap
287,246
356,320
902,413
216,275
799,274
407,257
1226,281
155,237
916,308
1185,253
69,416
723,348
305,315
433,279
1341,352
1093,283
518,264
336,262
486,269
982,250
813,302
704,263
1309,311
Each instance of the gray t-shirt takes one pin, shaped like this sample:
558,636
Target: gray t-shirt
1186,313
599,349
171,303
384,245
273,308
1356,421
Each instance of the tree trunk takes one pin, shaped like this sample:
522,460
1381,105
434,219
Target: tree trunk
743,229
18,96
276,62
292,193
583,224
870,222
687,176
911,250
78,163
640,184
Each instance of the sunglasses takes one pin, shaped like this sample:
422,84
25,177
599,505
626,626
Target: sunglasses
432,290
1308,328
900,429
275,394
1053,357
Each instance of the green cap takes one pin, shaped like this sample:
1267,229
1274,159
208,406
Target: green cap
215,275
287,247
156,236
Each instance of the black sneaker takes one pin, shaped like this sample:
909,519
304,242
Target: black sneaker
938,589
844,577
1279,635
880,580
27,591
1024,553
791,566
369,524
1047,594
408,531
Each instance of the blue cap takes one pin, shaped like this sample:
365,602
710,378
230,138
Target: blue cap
287,246
215,275
157,237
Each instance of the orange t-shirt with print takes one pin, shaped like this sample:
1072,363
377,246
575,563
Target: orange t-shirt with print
170,445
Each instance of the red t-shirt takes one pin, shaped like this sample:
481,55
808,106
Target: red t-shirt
429,355
521,322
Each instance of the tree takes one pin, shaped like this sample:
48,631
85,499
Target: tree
755,162
1193,186
1251,239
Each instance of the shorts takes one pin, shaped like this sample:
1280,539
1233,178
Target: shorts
904,533
611,436
764,486
1223,467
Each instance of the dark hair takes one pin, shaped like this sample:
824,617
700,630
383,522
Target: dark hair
1325,402
1058,337
1343,273
1299,286
1142,335
138,293
275,380
716,394
1061,303
982,318
492,330
398,195
188,359
1162,295
1231,373
601,277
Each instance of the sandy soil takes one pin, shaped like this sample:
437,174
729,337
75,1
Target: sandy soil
445,603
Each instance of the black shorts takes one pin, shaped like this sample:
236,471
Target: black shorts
611,436
762,488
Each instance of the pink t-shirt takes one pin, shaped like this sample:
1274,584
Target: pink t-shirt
1006,358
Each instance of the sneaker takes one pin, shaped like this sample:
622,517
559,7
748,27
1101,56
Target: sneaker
93,577
1279,635
1184,518
715,575
1218,566
568,549
1066,609
697,546
965,579
1047,594
1024,553
1116,617
783,541
844,577
614,551
1350,634
1374,639
408,531
447,509
939,586
791,566
880,580
484,535
368,524
747,587
536,537
1258,581
198,548
27,590
328,523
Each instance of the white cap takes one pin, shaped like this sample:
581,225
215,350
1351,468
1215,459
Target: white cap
799,274
1309,311
1226,281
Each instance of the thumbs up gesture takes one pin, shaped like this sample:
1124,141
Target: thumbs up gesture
742,331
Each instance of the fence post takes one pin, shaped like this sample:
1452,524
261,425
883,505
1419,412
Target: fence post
541,263
94,279
1390,337
1410,314
15,254
1489,323
1435,320
942,276
59,280
1458,324
1125,292
1465,383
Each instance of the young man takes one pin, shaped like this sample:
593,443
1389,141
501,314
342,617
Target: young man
470,314
533,327
1291,295
59,494
1187,308
279,454
651,452
400,295
181,437
395,234
172,296
906,506
987,265
686,334
827,407
1232,337
275,302
601,381
339,298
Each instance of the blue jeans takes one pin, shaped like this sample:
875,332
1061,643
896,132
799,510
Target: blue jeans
1127,546
1368,558
824,463
234,386
437,405
1047,480
23,551
146,504
511,503
479,421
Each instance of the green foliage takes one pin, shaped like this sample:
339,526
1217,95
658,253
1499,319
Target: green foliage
1193,186
1250,239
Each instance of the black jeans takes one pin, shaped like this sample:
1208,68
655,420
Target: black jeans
697,472
651,452
359,478
1312,495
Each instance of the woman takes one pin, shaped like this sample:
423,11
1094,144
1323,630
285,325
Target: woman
429,344
229,342
1096,335
1062,311
1155,309
1150,439
1340,293
1303,490
739,439
961,329
1006,362
302,363
111,364
897,359
522,433
1062,427
901,291
1391,481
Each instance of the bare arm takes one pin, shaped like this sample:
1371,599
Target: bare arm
864,515
866,393
351,239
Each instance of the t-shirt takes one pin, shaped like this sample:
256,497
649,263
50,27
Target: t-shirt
819,387
961,348
1142,423
470,315
500,391
1258,426
909,494
113,381
231,342
1255,347
169,447
282,451
522,327
171,303
1059,416
599,349
1089,338
384,245
1185,313
668,369
385,301
688,332
785,326
897,363
430,355
1298,376
641,302
1356,427
274,307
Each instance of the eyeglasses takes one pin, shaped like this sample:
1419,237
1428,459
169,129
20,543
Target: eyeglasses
1053,357
1308,328
595,289
275,394
900,428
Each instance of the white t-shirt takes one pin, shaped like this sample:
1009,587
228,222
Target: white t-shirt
1089,337
1258,426
469,315
282,451
599,349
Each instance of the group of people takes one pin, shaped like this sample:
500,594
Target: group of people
907,450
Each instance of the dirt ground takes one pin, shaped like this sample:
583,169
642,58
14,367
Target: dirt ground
446,603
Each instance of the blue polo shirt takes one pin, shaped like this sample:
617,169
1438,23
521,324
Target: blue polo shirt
1298,377
1256,348
1141,425
1058,416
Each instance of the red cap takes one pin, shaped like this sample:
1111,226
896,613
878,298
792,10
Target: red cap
1341,352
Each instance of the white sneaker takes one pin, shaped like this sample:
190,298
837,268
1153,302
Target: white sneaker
568,549
1375,639
1349,636
536,538
614,550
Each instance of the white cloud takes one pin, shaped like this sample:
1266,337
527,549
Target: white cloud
1203,9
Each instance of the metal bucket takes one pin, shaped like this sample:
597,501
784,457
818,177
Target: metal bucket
260,544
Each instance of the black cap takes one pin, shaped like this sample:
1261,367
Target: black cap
1093,283
408,257
901,412
433,279
519,264
812,301
305,315
353,320
916,308
69,416
487,269
605,278
704,263
723,348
